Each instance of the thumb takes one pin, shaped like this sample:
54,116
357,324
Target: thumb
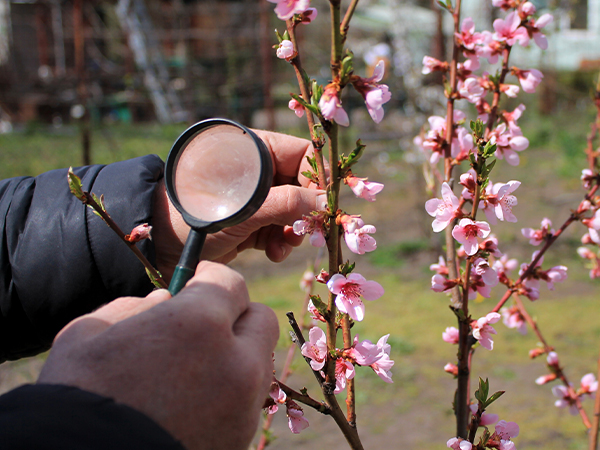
286,204
120,309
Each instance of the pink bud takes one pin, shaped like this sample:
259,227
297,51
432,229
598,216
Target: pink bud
552,359
451,369
139,233
545,379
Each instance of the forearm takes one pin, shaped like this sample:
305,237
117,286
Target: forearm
58,260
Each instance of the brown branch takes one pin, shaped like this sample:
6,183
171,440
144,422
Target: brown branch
89,200
305,399
557,370
350,386
596,421
306,95
496,99
347,17
574,217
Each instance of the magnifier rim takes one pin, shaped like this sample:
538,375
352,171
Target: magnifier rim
252,205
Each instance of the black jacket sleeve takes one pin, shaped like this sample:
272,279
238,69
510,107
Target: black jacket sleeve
58,259
67,418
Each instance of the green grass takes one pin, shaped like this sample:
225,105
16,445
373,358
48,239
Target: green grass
415,411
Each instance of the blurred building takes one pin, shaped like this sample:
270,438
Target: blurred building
133,59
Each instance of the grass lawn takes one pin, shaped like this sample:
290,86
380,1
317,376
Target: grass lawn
415,411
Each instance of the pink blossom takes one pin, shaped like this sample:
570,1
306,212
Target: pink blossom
587,177
504,4
509,30
469,181
296,106
285,9
481,267
477,285
436,136
278,397
450,335
512,318
443,209
486,419
536,237
589,384
553,275
452,369
467,36
139,233
552,359
490,245
508,142
349,290
459,444
312,225
309,15
471,90
490,48
363,188
528,9
383,365
331,106
529,79
482,330
586,253
364,353
344,370
507,430
308,278
504,265
467,231
314,312
285,49
296,420
544,379
564,399
512,117
440,267
432,65
462,144
357,234
375,94
536,25
504,200
440,283
315,348
510,90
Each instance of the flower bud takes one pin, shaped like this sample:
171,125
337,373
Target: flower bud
451,369
535,352
545,379
139,233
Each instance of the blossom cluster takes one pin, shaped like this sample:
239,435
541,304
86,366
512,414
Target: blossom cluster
362,353
501,438
329,101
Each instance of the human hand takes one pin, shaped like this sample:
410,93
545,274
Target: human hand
269,229
199,364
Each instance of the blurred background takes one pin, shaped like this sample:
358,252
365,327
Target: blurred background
99,81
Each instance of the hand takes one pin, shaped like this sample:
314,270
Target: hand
199,364
268,229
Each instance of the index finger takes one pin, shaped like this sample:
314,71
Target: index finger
288,154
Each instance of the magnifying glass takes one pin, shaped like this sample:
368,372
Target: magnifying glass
218,174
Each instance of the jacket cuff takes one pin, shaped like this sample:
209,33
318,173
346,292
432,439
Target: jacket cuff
48,416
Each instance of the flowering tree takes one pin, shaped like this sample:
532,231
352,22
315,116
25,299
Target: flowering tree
477,265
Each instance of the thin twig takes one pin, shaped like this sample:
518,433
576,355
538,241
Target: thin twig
596,421
89,200
306,95
558,370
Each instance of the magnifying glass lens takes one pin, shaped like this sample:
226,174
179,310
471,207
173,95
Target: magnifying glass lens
217,172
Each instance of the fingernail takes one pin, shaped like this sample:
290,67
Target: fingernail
321,202
283,251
